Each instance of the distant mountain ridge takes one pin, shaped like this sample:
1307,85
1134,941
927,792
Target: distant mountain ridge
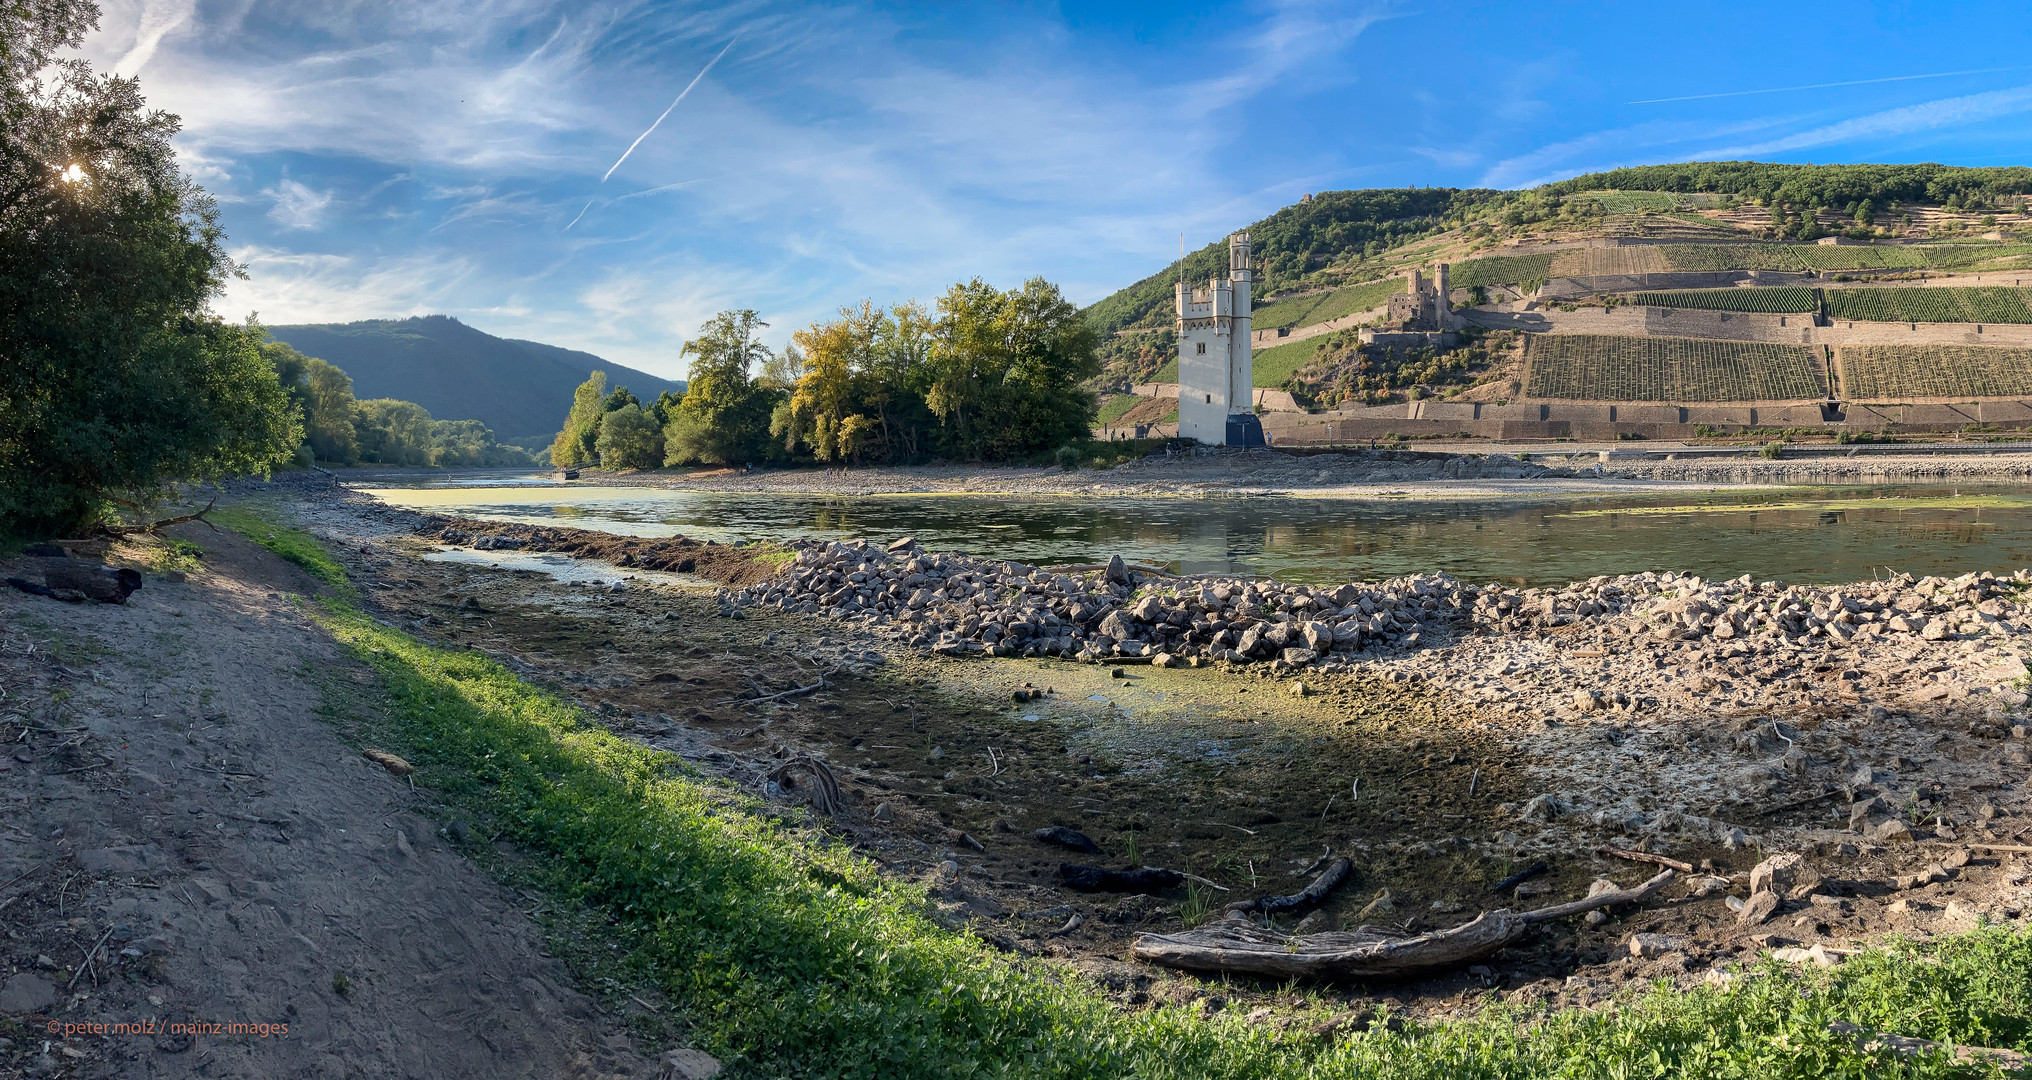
521,389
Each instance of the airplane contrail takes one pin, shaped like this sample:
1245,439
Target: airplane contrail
652,127
666,112
1821,86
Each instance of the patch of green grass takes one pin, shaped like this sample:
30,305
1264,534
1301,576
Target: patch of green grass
1117,404
1274,365
788,955
294,545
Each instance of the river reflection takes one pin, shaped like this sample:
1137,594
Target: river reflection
1536,541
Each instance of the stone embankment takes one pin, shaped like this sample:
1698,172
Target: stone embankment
1637,643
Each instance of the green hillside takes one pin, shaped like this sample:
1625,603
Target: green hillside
520,389
1323,240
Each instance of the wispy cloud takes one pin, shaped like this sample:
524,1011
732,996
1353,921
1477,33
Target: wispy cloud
1823,85
1907,120
297,206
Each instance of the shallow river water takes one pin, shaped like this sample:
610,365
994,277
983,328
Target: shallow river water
1792,534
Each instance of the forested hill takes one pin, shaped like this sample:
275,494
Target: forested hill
456,372
1335,237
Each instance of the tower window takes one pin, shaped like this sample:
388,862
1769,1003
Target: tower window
1201,348
1210,399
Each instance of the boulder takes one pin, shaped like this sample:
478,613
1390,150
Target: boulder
1299,657
1759,909
1648,946
1777,874
1118,572
26,993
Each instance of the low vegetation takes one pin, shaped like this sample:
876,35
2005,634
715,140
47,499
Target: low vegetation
1789,298
1599,367
1948,305
1894,372
1528,270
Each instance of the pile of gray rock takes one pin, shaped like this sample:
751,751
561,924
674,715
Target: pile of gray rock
956,605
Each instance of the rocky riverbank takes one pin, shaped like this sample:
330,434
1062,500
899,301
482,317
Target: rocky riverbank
1903,468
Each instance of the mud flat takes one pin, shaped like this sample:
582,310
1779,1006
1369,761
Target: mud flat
1457,735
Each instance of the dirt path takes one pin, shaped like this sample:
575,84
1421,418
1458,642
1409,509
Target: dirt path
175,798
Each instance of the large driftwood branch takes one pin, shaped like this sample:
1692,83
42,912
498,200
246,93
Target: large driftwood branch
130,530
1303,900
1368,952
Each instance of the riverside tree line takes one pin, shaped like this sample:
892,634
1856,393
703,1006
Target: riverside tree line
984,374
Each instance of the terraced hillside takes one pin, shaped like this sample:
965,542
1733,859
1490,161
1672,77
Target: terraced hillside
1945,305
1599,367
1319,307
1898,372
1501,270
1785,299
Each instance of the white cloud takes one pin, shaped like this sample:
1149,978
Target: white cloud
1925,116
297,206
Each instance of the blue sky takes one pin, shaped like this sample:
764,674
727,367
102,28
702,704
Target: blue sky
381,159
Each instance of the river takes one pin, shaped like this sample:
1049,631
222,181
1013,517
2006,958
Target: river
1791,534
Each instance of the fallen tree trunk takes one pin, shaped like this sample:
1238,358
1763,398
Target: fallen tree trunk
155,526
1303,900
1367,952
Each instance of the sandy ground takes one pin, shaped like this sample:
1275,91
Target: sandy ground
176,798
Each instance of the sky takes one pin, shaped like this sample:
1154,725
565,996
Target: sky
606,176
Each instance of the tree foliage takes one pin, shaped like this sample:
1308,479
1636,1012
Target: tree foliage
115,381
578,440
724,415
630,438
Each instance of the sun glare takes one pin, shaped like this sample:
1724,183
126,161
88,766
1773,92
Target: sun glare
74,174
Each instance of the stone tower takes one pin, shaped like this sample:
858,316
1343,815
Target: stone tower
1216,396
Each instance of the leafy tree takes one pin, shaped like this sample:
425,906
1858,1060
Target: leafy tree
725,414
837,355
630,439
324,393
117,382
576,443
396,432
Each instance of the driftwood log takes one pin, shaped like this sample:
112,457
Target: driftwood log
1099,879
820,788
1303,900
1367,952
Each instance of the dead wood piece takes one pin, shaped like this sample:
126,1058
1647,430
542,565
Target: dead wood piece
1367,952
1068,838
1237,948
1098,879
1870,1042
1304,899
130,530
106,584
1601,900
825,789
1645,856
792,692
1520,877
390,762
